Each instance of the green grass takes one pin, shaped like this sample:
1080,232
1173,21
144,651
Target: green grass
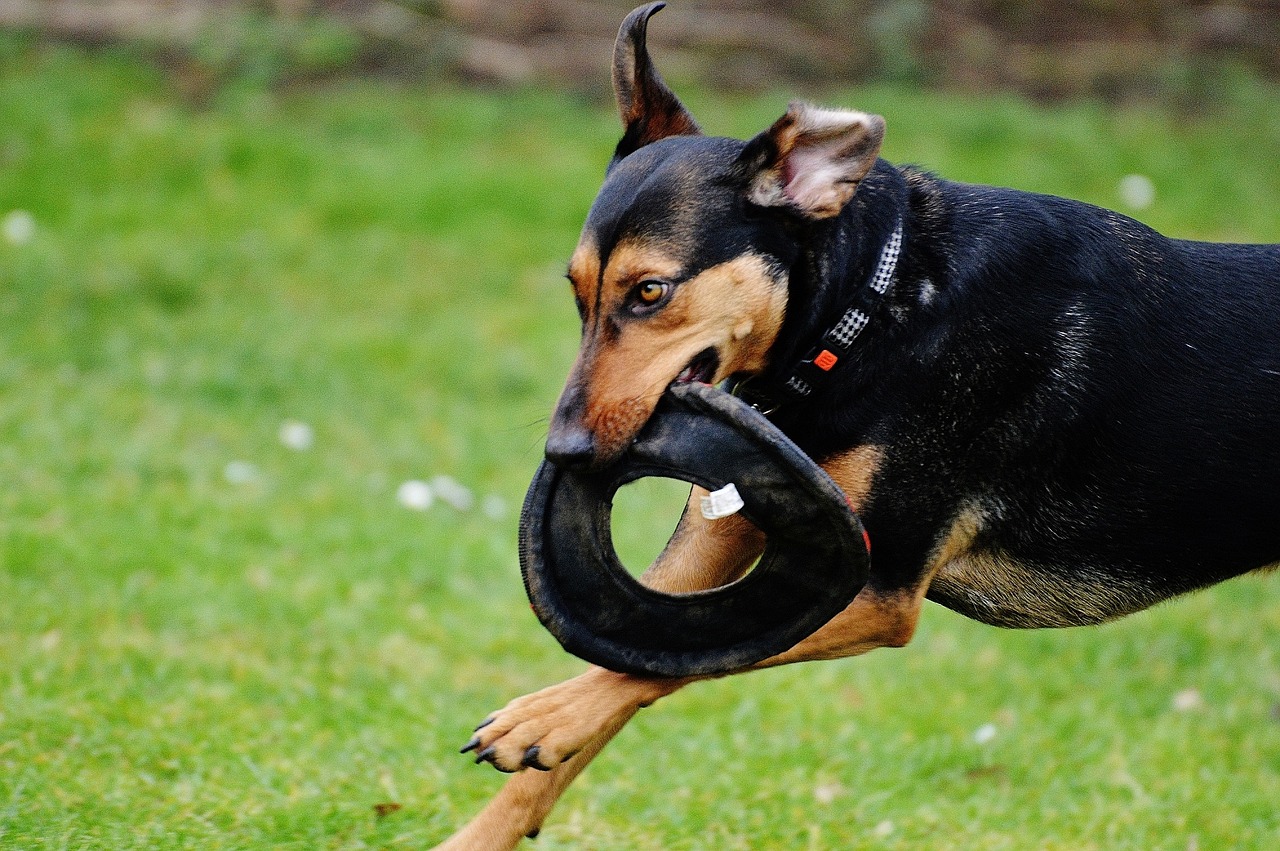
192,662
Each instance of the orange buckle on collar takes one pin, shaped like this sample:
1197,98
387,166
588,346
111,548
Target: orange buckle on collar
825,360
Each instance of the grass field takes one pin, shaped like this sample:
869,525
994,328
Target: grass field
211,640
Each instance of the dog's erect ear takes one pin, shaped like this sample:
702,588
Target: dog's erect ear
812,159
650,111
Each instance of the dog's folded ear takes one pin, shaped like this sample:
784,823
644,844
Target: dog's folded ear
812,159
650,111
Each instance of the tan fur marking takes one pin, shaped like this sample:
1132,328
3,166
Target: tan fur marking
705,553
584,268
632,262
958,541
624,376
871,621
997,590
854,472
992,588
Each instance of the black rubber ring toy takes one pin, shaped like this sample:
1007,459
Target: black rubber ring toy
815,559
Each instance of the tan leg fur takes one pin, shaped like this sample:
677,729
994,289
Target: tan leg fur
571,722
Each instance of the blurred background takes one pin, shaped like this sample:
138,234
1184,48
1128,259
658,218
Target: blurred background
282,316
1103,48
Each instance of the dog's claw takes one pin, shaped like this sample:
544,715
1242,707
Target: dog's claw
531,759
541,730
533,834
487,754
485,723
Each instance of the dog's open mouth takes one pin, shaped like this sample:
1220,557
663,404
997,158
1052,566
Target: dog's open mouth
702,368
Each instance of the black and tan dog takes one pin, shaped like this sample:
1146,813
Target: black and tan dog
1045,413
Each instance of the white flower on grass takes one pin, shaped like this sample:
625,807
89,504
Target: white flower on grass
296,435
415,494
240,472
18,227
453,493
825,793
1137,191
985,734
1187,700
883,829
494,507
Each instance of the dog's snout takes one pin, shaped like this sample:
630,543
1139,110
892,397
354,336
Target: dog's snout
571,447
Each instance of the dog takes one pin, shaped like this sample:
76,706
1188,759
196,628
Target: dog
1045,413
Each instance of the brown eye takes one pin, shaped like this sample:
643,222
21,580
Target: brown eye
651,292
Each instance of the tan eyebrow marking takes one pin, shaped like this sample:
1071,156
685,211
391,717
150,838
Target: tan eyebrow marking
633,261
584,269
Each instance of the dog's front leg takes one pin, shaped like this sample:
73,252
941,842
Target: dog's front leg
558,730
584,713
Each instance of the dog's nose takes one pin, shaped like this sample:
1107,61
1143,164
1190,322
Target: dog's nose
571,447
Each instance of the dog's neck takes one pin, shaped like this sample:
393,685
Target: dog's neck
837,259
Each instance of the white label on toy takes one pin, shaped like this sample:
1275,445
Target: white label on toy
722,503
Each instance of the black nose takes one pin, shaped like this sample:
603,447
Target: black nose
571,447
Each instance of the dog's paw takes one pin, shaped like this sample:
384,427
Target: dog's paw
543,729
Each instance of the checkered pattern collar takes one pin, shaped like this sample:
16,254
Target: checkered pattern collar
837,341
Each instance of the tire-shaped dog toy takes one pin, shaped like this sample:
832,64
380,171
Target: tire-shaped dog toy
815,559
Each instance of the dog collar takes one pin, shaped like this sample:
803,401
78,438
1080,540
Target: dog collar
837,341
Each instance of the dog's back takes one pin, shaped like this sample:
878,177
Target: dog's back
1126,440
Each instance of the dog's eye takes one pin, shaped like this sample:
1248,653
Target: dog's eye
649,293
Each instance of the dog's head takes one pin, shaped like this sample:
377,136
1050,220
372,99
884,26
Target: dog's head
681,272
